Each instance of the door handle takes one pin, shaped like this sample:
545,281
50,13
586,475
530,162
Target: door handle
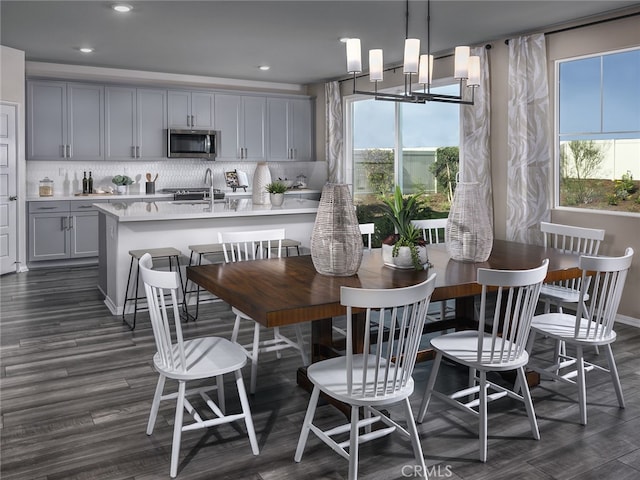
13,198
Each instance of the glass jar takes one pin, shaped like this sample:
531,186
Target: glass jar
46,187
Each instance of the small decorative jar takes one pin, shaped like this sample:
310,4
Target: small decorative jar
45,189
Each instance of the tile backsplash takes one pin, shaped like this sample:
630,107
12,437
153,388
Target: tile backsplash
67,176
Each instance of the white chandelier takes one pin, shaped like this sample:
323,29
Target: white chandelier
466,69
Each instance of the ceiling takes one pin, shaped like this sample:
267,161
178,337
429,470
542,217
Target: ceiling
299,40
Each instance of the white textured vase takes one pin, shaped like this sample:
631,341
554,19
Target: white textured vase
336,241
469,231
261,178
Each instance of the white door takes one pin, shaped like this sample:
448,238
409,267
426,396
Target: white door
8,185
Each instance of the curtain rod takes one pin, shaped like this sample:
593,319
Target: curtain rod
588,24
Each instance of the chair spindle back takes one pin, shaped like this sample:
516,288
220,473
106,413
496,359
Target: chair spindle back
517,295
607,277
253,245
388,359
158,285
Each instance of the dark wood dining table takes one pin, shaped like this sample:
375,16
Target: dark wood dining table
283,291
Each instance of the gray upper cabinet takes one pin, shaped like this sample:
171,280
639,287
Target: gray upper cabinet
289,126
65,120
241,121
135,123
190,109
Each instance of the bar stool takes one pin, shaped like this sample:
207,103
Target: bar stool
201,251
156,253
288,243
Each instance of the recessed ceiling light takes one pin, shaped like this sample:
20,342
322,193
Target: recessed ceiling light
122,8
86,49
264,67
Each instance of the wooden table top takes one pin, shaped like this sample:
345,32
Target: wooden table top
288,290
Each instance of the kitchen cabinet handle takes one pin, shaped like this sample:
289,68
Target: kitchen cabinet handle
137,152
188,120
63,151
193,122
133,152
295,153
85,206
64,222
72,222
47,208
68,151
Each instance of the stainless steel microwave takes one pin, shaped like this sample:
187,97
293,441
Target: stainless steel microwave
182,143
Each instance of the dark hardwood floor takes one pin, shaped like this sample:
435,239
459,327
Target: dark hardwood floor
76,388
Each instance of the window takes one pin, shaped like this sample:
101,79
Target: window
396,143
389,143
598,143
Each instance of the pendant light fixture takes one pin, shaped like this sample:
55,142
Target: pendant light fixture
466,69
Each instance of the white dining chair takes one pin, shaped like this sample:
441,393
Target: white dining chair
602,280
189,361
367,230
569,239
380,376
434,232
566,293
498,345
257,245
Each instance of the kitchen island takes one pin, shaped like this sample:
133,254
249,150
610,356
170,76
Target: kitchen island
178,224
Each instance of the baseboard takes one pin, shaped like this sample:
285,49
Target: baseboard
634,322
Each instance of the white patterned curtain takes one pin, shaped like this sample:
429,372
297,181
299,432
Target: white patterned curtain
529,139
475,151
334,146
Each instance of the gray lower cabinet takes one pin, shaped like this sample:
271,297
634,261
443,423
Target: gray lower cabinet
60,230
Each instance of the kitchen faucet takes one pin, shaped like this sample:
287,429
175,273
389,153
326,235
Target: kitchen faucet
208,180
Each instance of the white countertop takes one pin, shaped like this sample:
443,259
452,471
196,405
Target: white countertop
185,209
157,196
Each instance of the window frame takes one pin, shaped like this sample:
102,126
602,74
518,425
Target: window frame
556,134
348,130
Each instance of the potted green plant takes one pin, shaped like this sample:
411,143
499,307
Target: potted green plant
406,248
121,182
276,192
